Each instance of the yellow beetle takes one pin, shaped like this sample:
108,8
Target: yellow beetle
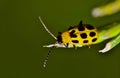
80,35
85,35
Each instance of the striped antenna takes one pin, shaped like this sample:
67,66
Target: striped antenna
46,59
46,28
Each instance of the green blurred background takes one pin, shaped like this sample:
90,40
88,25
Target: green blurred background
22,38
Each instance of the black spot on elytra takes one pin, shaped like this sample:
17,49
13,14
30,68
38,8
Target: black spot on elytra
80,23
85,41
72,35
93,40
89,27
92,34
81,26
72,32
83,35
59,39
75,41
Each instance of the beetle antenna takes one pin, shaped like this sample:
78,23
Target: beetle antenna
47,57
46,28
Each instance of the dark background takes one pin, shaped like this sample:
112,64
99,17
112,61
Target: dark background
22,37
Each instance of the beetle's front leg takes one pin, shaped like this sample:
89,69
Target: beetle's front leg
111,44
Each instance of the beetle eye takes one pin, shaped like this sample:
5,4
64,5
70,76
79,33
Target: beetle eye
59,39
89,27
